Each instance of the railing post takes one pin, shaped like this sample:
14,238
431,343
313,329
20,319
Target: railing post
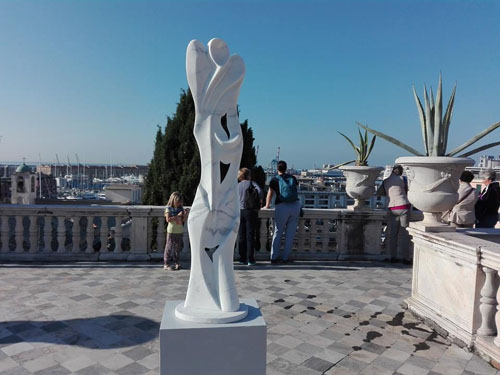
263,234
301,235
118,236
325,235
103,234
33,234
89,235
4,232
19,234
488,304
497,317
47,234
313,231
139,230
61,234
75,238
160,235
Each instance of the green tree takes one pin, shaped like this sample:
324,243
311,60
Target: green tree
175,165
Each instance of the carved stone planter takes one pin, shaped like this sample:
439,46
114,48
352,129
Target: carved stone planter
360,184
433,184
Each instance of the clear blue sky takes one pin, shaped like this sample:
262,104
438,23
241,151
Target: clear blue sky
96,77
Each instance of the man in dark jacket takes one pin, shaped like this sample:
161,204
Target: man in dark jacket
487,205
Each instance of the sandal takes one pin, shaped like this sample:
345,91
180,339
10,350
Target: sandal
177,267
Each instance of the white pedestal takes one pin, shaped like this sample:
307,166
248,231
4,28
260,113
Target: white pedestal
188,348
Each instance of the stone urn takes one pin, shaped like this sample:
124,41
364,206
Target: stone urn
433,184
360,184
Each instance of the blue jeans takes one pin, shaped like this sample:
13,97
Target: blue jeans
286,218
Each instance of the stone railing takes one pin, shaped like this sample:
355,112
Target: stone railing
456,285
76,232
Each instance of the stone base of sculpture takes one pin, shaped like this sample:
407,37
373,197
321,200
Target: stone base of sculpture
196,315
188,348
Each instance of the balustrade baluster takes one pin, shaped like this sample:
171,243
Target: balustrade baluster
4,232
313,233
160,234
488,304
33,234
185,239
497,317
89,235
301,234
263,235
103,234
47,234
19,234
61,234
118,236
75,237
325,235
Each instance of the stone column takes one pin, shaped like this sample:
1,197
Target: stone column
488,304
139,245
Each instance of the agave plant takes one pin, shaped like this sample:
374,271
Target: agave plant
362,151
435,127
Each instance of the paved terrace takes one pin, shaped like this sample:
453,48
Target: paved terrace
323,318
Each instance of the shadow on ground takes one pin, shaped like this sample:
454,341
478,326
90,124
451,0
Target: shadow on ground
101,332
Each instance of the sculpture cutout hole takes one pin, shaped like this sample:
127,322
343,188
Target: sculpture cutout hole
223,122
211,251
224,168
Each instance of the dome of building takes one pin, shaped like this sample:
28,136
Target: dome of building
23,168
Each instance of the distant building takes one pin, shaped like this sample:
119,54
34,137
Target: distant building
23,185
125,194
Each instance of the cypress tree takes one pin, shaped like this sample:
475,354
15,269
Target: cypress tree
175,165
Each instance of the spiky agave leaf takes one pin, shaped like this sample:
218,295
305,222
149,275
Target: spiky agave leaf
438,108
474,139
479,149
422,119
342,164
391,139
352,144
371,145
447,118
429,124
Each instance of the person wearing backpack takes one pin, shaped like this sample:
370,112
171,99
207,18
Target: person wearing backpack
250,203
286,212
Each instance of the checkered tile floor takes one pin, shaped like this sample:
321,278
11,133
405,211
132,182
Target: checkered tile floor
323,318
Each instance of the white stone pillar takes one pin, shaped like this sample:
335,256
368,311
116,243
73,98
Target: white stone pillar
488,303
4,233
89,236
138,233
160,235
61,234
118,236
103,234
33,234
75,238
19,234
47,234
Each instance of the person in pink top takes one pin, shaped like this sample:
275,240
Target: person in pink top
395,187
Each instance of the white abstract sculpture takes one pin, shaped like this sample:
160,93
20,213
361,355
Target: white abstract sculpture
215,79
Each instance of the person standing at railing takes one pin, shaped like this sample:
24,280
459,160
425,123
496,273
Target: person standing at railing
286,212
395,187
462,214
176,216
251,196
489,201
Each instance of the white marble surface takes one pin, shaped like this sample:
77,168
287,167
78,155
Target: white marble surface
360,183
447,281
188,348
215,79
433,183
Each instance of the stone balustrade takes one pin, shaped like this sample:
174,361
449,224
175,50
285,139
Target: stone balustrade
95,232
455,285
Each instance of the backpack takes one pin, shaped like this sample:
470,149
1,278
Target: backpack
251,199
288,189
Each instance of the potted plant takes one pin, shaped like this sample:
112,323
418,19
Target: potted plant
433,175
360,178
